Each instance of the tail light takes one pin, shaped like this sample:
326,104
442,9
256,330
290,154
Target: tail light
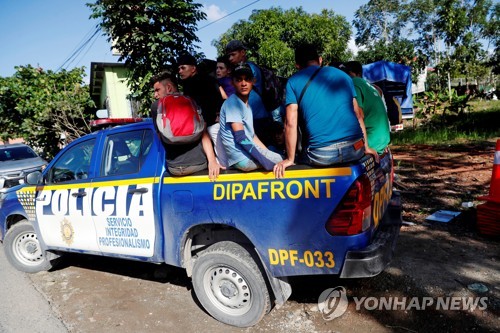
353,214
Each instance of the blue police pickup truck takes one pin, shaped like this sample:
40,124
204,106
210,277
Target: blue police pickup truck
239,238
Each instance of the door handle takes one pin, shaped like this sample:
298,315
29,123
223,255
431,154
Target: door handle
79,194
138,190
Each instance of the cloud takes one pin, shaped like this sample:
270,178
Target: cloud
353,47
213,12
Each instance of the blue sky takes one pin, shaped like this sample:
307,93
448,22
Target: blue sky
47,33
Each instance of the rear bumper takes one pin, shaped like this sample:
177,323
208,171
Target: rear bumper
373,259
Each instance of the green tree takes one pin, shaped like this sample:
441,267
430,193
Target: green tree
492,34
380,25
447,34
272,34
423,18
462,24
45,108
400,51
378,20
149,35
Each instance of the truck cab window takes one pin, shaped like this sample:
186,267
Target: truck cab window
124,153
74,164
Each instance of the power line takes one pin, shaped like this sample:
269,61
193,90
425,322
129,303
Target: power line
87,35
87,51
79,49
223,17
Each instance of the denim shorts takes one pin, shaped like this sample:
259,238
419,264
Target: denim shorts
340,152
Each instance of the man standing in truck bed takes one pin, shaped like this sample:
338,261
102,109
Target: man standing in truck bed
323,99
371,105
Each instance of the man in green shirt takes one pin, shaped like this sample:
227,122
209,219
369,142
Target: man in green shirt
371,104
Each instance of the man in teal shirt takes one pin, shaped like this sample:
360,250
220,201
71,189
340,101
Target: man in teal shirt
372,106
321,100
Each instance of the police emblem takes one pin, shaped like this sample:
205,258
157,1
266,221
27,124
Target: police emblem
67,232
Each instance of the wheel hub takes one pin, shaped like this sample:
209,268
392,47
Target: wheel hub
27,249
31,248
229,288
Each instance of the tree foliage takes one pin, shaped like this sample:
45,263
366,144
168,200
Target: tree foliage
446,34
400,51
378,20
461,26
492,34
423,20
380,25
45,108
148,34
272,34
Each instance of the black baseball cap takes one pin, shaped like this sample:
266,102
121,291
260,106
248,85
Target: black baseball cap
234,45
242,69
186,59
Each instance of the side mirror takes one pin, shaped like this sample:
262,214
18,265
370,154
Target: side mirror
33,178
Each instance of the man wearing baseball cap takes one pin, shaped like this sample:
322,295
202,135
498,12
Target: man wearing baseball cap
237,53
202,88
234,45
244,150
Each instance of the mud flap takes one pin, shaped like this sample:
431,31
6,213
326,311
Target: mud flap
280,286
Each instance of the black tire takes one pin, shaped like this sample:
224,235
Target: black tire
230,285
23,250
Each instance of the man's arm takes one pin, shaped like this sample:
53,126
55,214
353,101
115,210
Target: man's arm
249,145
223,93
291,122
361,115
213,166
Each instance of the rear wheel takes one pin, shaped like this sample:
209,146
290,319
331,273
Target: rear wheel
23,250
230,285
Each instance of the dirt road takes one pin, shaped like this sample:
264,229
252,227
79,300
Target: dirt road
433,262
22,307
99,294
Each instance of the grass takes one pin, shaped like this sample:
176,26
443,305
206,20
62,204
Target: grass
481,123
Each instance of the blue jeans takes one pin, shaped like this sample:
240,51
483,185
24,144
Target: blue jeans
341,152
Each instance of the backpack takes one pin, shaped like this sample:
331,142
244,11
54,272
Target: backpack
179,119
272,89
